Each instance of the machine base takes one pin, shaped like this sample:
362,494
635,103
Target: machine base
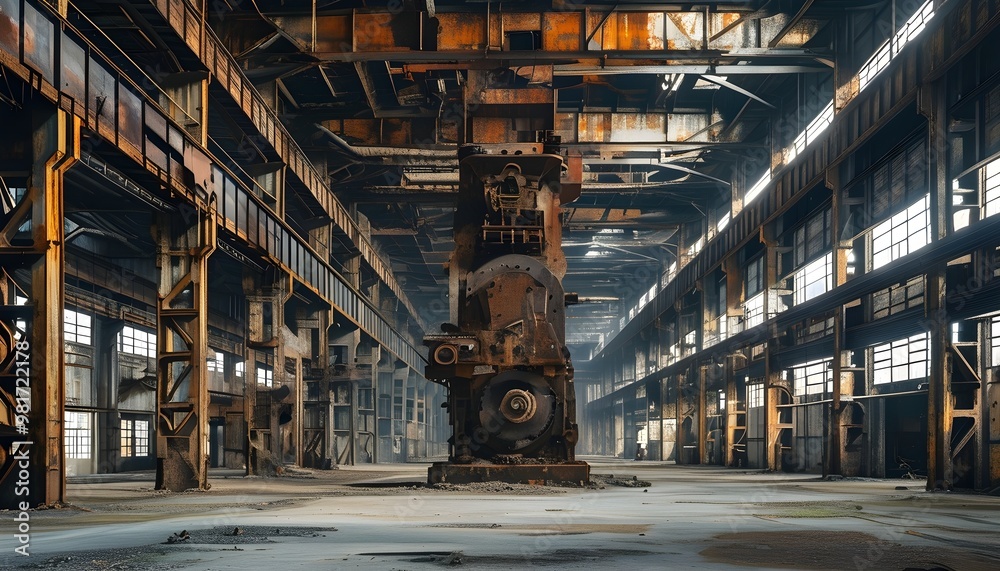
571,473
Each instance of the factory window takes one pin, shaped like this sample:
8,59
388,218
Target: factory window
753,311
668,275
813,378
812,131
77,434
813,279
265,377
755,276
884,54
721,327
673,353
812,238
755,395
757,188
20,324
239,368
134,438
899,179
899,297
77,327
217,363
137,342
814,328
647,297
690,342
696,247
995,341
717,313
879,61
723,221
991,188
902,234
902,360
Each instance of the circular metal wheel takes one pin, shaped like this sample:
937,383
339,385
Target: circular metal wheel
516,408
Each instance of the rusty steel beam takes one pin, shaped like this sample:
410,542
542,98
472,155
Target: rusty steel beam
557,31
811,63
185,244
790,24
32,383
724,83
608,57
56,147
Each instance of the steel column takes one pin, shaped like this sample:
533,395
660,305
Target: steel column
376,358
265,317
185,244
734,300
772,428
836,442
31,367
991,418
702,416
679,435
932,103
254,336
772,431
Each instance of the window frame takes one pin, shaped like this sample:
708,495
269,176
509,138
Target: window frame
136,341
78,327
887,360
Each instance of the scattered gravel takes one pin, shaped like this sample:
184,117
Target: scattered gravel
143,558
124,559
229,535
620,480
497,487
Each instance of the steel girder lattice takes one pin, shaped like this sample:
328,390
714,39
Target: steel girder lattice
182,348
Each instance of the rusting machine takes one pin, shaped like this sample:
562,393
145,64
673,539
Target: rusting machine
511,399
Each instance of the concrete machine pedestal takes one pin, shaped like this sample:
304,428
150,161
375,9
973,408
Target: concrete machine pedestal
570,473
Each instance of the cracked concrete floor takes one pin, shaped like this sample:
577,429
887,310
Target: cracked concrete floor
374,517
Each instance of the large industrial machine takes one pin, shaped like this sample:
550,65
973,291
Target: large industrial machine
503,356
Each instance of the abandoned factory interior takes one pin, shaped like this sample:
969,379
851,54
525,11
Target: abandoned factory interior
404,284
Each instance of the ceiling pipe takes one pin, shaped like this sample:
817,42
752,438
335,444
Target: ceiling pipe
392,155
81,230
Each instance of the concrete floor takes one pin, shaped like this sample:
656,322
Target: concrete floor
690,518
